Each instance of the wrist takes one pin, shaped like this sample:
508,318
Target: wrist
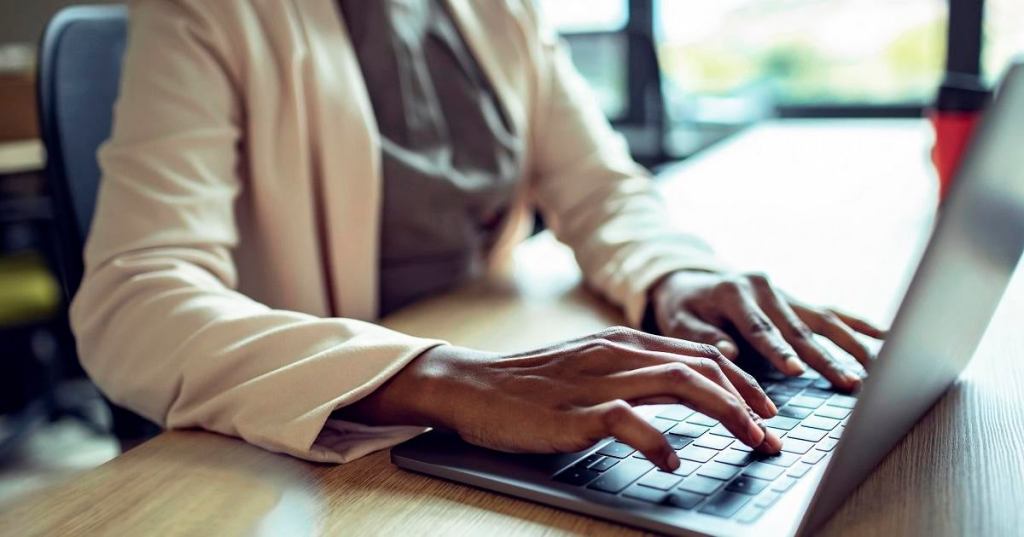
426,392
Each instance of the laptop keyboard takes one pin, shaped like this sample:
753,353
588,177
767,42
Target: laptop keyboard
718,474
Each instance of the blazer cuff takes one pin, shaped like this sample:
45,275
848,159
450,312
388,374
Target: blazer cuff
343,441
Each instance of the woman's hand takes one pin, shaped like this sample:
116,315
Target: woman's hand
567,397
697,306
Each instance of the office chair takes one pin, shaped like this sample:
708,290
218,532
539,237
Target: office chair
79,74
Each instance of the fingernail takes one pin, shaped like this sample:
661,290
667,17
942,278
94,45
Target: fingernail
772,409
672,461
772,444
727,348
794,366
852,380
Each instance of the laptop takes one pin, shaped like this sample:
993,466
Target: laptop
831,441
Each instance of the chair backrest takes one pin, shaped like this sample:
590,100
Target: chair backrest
79,75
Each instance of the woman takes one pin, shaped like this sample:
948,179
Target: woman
283,173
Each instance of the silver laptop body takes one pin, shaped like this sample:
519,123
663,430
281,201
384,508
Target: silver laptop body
973,252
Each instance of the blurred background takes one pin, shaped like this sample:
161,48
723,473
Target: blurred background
674,76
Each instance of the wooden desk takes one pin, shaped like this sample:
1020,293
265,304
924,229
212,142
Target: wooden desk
836,212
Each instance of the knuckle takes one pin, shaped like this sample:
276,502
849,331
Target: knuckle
616,333
759,280
678,374
709,366
757,323
708,351
737,411
618,412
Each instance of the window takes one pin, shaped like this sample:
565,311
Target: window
1004,36
804,52
570,16
593,29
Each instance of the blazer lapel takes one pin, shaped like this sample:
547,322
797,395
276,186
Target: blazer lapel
346,145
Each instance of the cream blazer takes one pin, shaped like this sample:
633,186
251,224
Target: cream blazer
231,268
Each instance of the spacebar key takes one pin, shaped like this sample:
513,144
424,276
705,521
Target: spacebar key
621,475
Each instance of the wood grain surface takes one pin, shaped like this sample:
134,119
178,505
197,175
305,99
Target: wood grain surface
827,225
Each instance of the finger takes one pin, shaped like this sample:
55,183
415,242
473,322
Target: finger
743,311
861,325
616,418
749,389
687,326
688,387
800,336
842,335
642,340
708,362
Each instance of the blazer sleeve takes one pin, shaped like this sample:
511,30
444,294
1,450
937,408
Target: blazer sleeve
592,194
159,325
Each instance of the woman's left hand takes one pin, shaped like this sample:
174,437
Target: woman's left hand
696,306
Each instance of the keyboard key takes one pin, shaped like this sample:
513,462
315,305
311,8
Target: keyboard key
660,480
779,399
761,470
782,422
790,411
736,457
767,499
836,433
750,514
792,445
725,504
683,499
675,413
740,446
806,433
842,401
617,450
827,444
747,485
686,468
661,424
798,382
678,442
834,412
820,394
701,419
588,460
696,453
822,384
713,442
700,484
784,484
718,470
645,494
806,402
782,459
621,475
818,422
576,476
783,390
799,469
720,430
604,464
778,432
815,457
689,429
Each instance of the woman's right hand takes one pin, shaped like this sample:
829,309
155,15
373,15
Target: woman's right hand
569,396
